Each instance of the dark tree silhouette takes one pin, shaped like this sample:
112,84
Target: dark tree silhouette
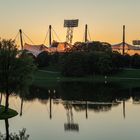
15,69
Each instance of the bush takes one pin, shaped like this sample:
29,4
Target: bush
81,64
135,62
43,59
73,64
105,65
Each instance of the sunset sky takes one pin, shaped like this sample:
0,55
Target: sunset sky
104,17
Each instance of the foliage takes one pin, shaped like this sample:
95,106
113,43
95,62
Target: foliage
88,59
135,61
16,69
116,60
13,136
54,58
105,64
43,59
81,64
91,46
73,64
126,59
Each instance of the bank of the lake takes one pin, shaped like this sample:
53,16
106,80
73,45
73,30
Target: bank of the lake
127,77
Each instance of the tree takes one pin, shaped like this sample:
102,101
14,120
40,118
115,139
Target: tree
91,47
135,63
43,59
105,64
73,64
16,69
117,61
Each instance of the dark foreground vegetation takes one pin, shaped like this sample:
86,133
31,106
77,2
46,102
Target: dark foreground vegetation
16,69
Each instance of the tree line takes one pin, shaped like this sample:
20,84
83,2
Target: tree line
88,59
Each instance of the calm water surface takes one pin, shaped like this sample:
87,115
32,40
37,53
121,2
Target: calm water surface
77,111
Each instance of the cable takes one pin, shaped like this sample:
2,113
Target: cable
29,39
46,37
89,35
56,35
16,36
52,36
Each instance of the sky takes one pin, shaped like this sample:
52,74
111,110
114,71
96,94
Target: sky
105,19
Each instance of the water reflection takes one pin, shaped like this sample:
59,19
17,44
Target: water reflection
81,96
70,125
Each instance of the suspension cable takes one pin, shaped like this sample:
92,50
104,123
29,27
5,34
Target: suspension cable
18,41
28,38
56,35
46,37
16,36
89,35
52,36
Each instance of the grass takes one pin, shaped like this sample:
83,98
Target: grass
53,67
127,77
128,73
10,114
43,78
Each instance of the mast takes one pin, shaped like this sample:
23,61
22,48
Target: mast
50,35
123,39
21,39
86,33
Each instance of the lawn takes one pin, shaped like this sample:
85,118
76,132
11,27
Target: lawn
128,77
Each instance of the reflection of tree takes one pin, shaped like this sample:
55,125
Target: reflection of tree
94,107
21,107
93,96
124,109
89,91
0,98
13,136
136,95
35,93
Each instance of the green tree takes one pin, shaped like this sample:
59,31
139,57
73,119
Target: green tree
73,64
91,46
43,59
16,69
135,62
105,64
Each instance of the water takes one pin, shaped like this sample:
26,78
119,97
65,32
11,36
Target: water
77,111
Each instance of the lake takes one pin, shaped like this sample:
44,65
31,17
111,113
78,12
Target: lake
77,111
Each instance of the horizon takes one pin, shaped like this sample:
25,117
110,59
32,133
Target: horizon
105,19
